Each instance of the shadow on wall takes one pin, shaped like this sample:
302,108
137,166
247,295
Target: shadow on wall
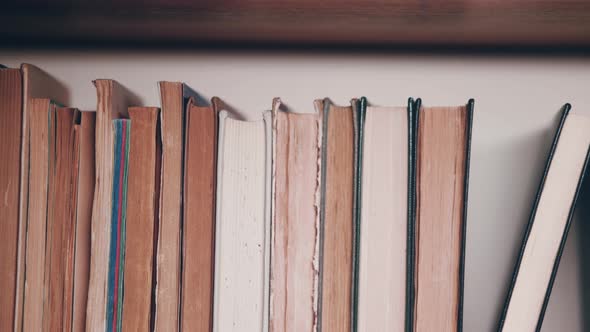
583,227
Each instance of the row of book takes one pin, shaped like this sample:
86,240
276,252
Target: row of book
184,217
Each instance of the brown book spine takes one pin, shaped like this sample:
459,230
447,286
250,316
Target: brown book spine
36,84
48,283
60,217
199,218
70,226
85,194
40,132
337,244
168,257
440,192
70,233
141,216
10,137
295,221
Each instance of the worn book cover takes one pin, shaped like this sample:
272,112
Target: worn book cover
295,220
36,84
113,101
174,98
11,110
60,223
41,175
141,218
198,237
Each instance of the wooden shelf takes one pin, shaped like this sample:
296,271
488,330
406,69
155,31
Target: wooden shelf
523,23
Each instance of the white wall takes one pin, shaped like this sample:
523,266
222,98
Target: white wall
517,102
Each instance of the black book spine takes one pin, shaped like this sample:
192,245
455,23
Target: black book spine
470,108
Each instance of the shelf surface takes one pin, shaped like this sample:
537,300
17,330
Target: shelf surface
454,23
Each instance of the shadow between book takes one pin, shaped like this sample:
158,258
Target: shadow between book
582,225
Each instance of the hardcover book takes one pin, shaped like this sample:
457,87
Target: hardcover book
386,180
442,173
548,226
338,217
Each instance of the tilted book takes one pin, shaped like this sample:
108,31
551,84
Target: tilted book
548,226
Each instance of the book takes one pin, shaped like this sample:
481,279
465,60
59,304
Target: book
60,221
198,237
337,218
11,85
174,97
113,100
84,198
442,171
242,233
141,218
42,157
546,232
121,133
295,220
36,84
385,183
70,245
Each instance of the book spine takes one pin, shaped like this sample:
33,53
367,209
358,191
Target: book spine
359,112
413,114
470,109
563,239
529,226
118,214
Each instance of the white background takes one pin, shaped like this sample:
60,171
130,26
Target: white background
517,99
